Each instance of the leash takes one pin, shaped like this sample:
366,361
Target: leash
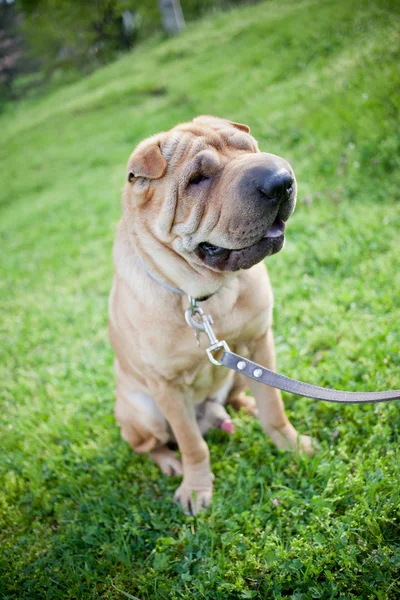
202,323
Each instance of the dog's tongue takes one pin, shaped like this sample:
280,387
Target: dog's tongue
276,229
228,426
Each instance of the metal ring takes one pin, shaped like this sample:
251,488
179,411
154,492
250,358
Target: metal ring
191,321
213,348
192,304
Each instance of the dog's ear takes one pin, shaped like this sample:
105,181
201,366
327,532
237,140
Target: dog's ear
147,162
240,126
219,123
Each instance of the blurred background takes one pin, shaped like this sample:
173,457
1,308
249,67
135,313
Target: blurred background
48,40
81,83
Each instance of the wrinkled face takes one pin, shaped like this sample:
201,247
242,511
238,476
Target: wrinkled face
206,192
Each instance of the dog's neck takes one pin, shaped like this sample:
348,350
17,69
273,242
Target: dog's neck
163,284
134,256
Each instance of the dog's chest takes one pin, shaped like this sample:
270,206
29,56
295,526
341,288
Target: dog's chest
204,381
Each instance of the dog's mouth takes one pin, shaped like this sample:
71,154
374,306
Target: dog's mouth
226,259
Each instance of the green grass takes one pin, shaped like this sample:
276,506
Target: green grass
80,514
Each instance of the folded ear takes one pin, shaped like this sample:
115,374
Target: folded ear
218,123
240,126
147,162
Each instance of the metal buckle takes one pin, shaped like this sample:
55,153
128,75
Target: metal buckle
192,305
215,347
203,325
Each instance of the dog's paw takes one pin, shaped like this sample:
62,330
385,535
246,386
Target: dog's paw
247,403
287,438
192,500
168,461
307,444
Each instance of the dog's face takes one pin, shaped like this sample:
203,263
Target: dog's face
204,193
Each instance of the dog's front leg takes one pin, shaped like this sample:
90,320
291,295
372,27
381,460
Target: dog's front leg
270,404
195,491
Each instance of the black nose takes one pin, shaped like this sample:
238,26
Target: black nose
274,185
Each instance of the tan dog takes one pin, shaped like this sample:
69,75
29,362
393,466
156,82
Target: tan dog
201,208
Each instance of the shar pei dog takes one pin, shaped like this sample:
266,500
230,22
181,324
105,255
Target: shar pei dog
202,207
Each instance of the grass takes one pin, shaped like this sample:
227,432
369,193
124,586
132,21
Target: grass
81,516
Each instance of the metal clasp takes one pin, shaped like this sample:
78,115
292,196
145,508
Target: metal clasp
202,323
218,346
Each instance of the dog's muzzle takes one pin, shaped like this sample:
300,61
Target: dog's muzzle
269,197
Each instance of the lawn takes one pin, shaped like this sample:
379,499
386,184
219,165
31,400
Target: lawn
81,516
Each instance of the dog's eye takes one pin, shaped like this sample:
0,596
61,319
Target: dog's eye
211,250
197,178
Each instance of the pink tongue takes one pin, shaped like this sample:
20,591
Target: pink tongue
276,229
228,426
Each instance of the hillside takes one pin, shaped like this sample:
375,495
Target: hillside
80,515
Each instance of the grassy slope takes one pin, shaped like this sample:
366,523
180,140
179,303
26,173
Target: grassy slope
79,513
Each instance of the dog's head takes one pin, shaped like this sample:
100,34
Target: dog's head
202,201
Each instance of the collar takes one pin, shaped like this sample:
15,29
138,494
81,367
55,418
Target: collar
165,285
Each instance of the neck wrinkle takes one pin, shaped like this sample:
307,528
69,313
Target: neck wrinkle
151,271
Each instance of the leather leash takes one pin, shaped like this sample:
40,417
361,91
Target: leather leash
202,323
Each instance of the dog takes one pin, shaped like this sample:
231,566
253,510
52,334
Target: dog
201,208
